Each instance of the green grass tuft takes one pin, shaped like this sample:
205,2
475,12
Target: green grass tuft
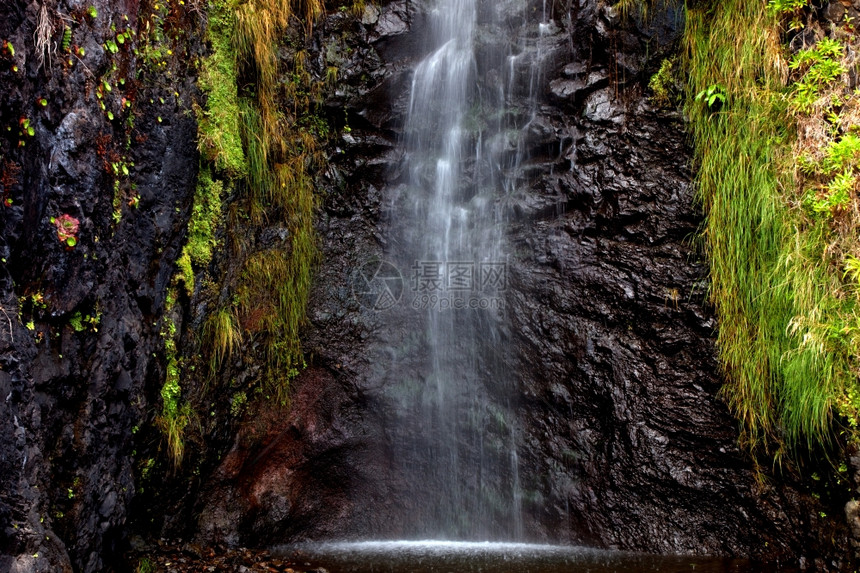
223,336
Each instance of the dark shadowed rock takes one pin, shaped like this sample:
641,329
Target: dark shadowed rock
74,391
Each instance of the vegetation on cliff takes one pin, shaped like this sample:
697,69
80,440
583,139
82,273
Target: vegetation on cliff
775,126
256,173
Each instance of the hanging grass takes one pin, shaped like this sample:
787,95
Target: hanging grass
253,147
223,336
787,318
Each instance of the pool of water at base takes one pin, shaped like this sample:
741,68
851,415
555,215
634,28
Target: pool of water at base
492,557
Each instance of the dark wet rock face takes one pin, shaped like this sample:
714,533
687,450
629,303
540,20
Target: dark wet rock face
622,440
80,324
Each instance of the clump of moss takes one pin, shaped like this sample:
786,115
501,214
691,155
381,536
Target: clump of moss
220,139
205,219
175,415
185,273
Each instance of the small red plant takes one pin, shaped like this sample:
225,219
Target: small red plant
67,229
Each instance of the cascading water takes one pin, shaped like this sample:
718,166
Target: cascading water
456,435
453,247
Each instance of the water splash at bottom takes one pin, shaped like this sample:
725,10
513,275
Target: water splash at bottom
435,556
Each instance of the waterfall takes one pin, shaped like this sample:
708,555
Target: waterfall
456,432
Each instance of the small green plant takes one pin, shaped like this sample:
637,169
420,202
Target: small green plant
67,229
852,269
841,154
661,83
358,7
67,39
37,301
818,67
9,48
76,322
223,336
832,198
237,404
145,566
331,75
26,127
786,6
92,12
713,96
119,167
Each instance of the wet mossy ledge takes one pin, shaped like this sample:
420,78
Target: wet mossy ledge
769,95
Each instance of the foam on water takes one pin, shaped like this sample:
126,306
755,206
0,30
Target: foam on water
443,556
440,546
